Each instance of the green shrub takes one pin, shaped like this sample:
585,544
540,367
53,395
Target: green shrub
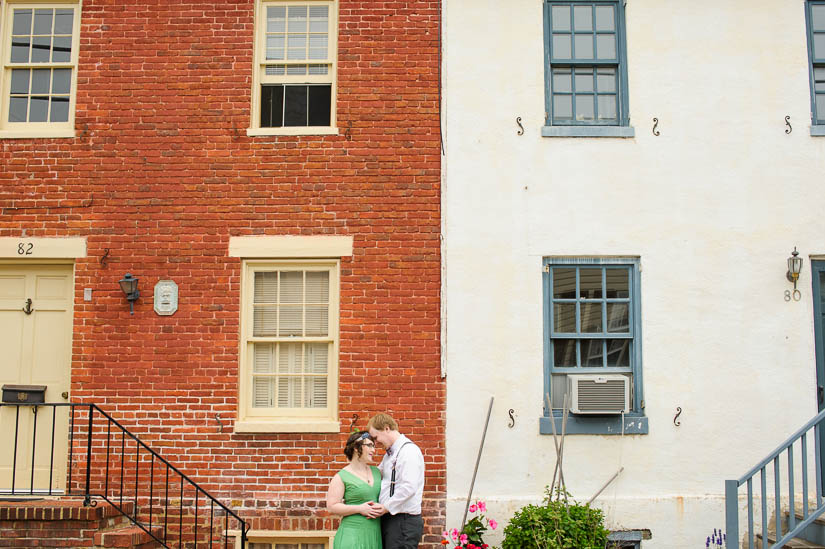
556,525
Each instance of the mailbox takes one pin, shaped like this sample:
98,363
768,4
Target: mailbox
24,394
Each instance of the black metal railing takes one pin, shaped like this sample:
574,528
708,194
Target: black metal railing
104,460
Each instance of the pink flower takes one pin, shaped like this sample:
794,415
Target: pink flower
463,539
473,508
445,535
454,533
493,524
482,507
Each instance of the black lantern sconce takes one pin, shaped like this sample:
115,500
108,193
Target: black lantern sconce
794,268
129,285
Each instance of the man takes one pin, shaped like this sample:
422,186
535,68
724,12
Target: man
402,484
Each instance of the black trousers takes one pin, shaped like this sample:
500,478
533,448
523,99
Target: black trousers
402,531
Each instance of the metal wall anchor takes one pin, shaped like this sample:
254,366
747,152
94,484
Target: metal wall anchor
678,413
656,125
521,128
789,129
28,308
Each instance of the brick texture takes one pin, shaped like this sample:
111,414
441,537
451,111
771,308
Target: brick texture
162,174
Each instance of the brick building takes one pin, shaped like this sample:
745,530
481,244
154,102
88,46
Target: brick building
275,165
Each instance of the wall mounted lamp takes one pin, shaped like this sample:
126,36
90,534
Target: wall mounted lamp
129,285
794,268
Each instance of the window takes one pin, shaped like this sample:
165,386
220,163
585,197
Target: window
816,52
585,69
290,344
287,545
592,326
39,56
295,68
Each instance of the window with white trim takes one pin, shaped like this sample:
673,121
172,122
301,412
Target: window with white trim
288,544
39,56
295,68
290,342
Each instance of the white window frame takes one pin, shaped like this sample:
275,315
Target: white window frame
35,129
259,64
287,419
277,536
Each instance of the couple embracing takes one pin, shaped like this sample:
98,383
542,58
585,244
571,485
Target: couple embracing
381,506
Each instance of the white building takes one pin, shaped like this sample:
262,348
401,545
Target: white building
678,233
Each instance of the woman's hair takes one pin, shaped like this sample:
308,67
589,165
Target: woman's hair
380,422
355,442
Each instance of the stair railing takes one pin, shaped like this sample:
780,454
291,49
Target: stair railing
107,461
799,439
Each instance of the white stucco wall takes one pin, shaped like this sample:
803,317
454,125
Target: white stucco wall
713,207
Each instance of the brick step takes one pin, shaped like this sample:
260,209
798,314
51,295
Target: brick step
127,536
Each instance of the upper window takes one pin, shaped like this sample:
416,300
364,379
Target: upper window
39,53
295,68
290,344
592,327
585,68
816,52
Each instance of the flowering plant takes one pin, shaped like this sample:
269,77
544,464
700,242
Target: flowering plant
717,540
472,535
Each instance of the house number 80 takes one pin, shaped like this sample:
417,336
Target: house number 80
797,295
25,248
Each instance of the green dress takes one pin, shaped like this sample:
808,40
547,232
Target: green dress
357,531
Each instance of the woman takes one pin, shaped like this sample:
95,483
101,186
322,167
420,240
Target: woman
353,494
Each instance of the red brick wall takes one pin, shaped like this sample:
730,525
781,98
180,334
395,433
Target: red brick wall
162,174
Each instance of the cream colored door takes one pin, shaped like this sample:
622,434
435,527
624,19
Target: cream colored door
35,347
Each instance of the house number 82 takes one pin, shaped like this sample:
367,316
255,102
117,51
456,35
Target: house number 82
25,248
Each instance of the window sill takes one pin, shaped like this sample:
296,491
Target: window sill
818,130
312,130
596,425
38,134
287,426
588,131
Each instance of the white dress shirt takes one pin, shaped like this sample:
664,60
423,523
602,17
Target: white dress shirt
409,478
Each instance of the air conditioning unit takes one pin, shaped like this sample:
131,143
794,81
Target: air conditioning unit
599,394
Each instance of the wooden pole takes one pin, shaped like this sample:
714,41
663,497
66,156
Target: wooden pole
478,459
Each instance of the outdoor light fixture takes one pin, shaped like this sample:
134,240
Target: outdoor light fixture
129,285
794,268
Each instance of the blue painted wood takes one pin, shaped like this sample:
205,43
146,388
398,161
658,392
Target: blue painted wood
596,425
776,489
763,478
792,515
817,130
750,514
588,131
805,476
732,514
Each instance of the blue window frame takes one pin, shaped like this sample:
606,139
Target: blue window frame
592,325
815,18
585,67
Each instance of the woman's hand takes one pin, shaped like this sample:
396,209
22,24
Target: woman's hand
371,509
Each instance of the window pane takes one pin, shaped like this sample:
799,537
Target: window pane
272,105
563,107
605,20
564,283
561,46
584,80
263,389
264,321
607,107
318,45
39,109
584,46
590,283
561,18
819,45
64,21
605,46
264,358
260,545
266,287
820,106
317,320
22,22
818,17
61,81
296,46
41,49
315,392
276,19
275,47
819,79
290,358
291,287
18,109
583,18
20,49
562,80
618,353
317,358
297,19
318,18
320,100
592,353
617,283
43,21
62,49
564,317
564,353
585,110
290,320
20,81
295,106
618,318
60,109
41,80
606,80
591,318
